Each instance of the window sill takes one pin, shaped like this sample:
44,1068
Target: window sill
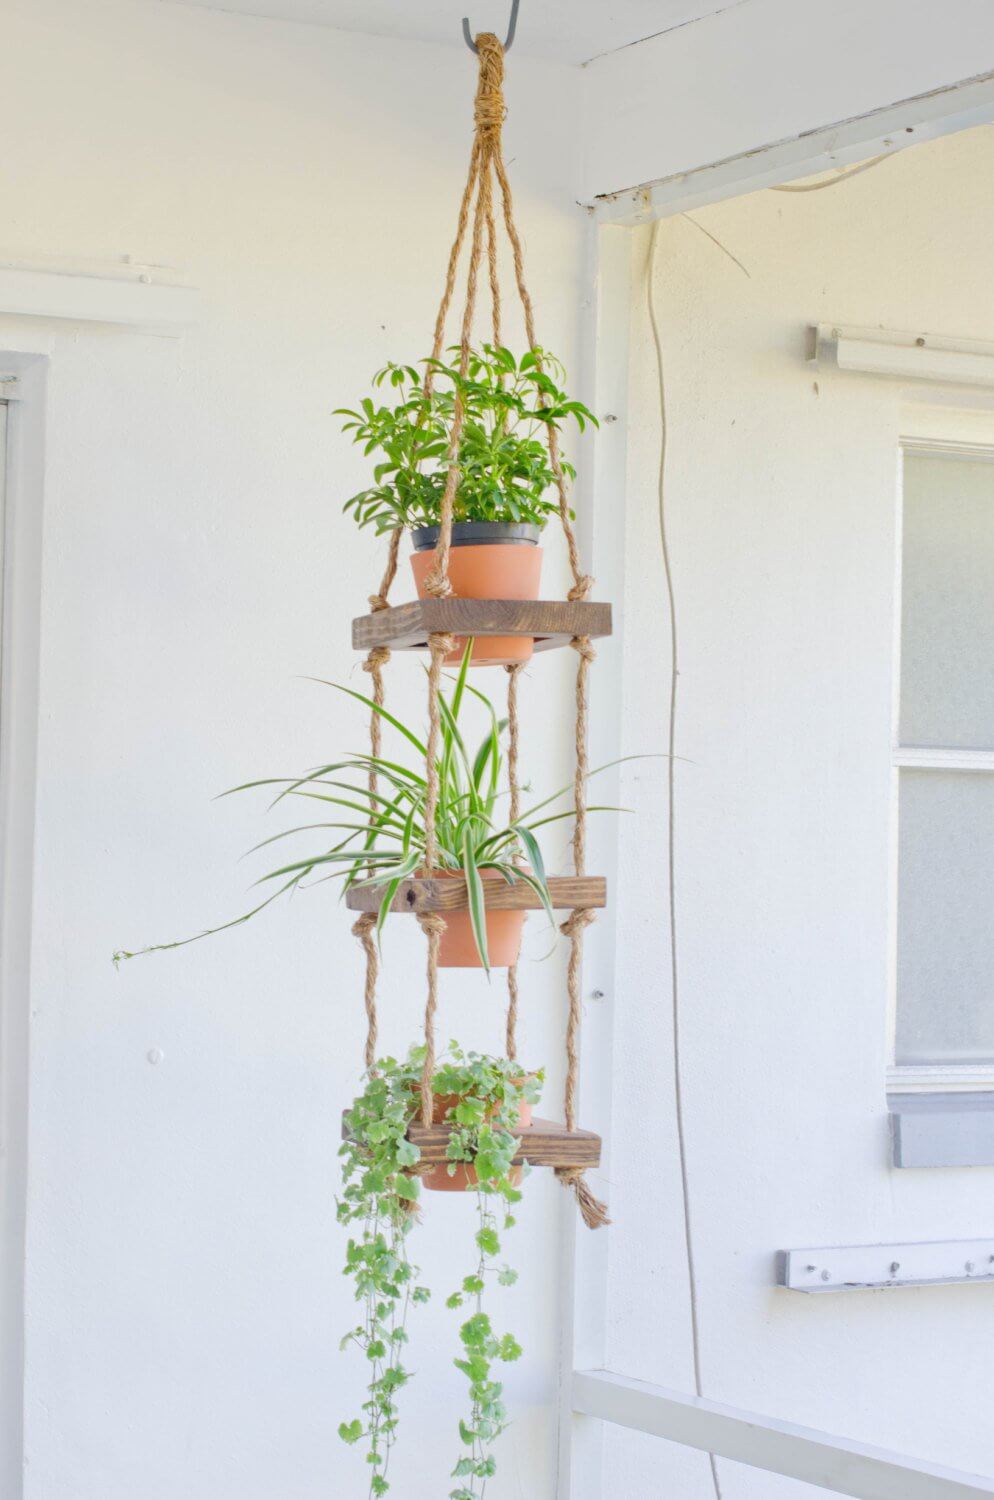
942,1130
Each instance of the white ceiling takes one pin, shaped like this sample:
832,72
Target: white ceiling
570,31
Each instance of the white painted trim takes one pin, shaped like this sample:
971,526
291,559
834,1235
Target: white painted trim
834,1463
922,117
894,808
949,448
18,741
941,758
940,1078
601,533
136,303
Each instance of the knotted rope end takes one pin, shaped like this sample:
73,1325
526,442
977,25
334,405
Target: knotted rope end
593,1212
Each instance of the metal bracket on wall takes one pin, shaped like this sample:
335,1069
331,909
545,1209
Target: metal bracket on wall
844,1268
129,298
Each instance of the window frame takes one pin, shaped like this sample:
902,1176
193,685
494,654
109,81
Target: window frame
934,433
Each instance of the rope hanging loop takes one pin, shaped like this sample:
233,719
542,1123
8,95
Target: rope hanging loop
489,109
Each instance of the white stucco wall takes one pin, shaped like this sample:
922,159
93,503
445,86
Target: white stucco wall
781,493
184,1302
183,1296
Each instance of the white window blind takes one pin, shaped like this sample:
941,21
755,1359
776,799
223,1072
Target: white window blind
945,894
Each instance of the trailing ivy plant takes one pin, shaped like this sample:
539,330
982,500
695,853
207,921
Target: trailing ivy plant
504,469
379,1198
489,1091
381,1192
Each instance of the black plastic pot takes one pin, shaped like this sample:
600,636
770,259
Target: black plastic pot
478,534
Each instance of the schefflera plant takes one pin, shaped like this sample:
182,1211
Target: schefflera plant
505,474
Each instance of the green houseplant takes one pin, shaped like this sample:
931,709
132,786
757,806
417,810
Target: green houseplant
506,489
484,1100
379,835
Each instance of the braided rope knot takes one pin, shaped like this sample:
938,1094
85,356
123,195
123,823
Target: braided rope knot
377,658
577,921
581,645
581,588
437,585
432,923
442,644
489,110
377,602
364,925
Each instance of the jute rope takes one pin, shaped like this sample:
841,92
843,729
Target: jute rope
582,582
593,1211
514,812
363,928
486,165
489,115
432,924
574,926
380,655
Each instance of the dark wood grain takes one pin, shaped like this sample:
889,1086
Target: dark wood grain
545,1143
568,892
550,622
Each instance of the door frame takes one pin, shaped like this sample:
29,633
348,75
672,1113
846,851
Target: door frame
24,385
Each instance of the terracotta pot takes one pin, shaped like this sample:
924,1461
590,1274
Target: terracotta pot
464,1177
443,1103
462,1180
458,949
510,568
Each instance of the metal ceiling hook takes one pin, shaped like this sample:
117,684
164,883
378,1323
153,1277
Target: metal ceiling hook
512,28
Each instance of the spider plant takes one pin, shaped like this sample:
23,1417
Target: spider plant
384,840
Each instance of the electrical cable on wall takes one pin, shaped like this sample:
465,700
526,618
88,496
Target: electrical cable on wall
843,175
671,836
650,274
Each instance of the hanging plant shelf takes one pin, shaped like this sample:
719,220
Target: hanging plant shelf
549,622
567,893
544,1143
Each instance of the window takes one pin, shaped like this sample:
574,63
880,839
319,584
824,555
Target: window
944,970
3,512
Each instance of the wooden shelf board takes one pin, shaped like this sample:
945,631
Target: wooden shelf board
544,1143
549,622
568,892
